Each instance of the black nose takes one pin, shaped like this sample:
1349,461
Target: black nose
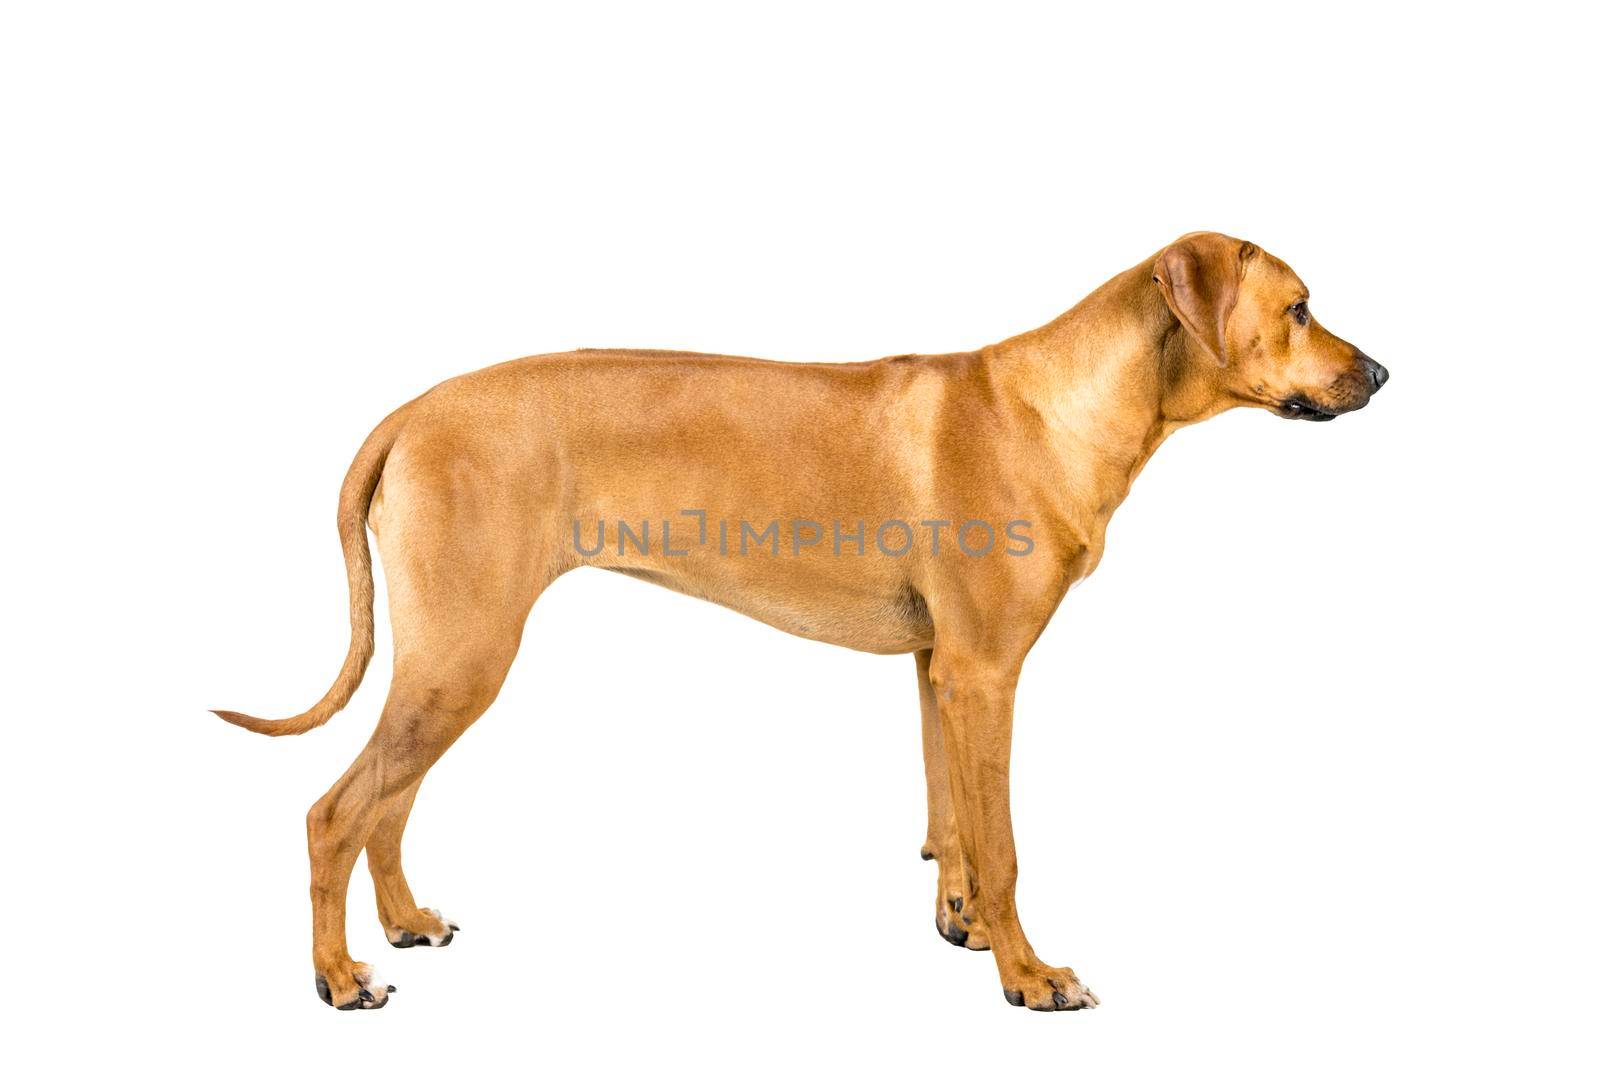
1377,373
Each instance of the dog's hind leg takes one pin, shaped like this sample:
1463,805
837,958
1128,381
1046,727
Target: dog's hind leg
424,715
404,924
462,573
956,922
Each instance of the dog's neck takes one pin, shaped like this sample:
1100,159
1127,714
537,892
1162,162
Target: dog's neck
1108,382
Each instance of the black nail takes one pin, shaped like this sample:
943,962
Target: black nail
1014,997
391,989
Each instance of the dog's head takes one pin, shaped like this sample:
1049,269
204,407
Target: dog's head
1250,313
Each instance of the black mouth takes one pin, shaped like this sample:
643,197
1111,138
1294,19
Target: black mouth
1298,407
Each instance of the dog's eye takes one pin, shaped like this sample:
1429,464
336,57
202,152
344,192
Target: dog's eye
1301,313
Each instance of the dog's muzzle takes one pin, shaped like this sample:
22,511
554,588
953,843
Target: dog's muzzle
1359,387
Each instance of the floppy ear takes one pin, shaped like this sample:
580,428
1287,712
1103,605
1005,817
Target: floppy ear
1199,279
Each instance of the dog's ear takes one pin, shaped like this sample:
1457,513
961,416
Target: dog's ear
1199,278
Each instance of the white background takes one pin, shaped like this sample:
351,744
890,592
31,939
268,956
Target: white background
1305,774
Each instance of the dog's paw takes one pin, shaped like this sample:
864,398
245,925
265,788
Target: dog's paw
954,915
353,987
1044,988
957,923
432,930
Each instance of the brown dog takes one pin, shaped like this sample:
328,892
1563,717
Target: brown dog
937,505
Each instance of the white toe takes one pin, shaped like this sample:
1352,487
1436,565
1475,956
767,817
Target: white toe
373,982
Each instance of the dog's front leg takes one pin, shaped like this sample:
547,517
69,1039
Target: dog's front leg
973,693
956,923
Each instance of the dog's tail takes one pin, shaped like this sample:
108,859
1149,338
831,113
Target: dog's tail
355,497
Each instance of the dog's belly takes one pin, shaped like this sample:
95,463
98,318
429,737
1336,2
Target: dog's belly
884,620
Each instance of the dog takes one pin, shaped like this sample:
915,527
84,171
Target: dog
937,505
